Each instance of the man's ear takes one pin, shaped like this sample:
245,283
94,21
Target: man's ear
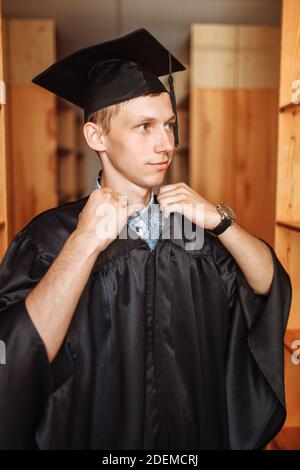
94,136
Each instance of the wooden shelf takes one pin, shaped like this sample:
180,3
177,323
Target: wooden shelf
290,107
287,227
292,225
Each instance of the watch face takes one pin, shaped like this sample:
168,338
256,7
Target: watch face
228,211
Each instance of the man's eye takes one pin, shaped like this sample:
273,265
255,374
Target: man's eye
144,126
171,125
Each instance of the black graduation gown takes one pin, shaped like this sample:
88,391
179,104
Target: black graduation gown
168,348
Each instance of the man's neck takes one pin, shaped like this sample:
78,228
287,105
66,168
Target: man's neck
135,194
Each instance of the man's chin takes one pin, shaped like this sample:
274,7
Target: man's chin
158,177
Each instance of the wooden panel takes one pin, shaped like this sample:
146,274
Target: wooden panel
213,56
212,152
258,57
287,235
227,56
256,148
31,47
287,243
288,186
233,111
33,147
290,49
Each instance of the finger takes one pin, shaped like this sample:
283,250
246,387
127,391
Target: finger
172,208
167,188
172,187
169,199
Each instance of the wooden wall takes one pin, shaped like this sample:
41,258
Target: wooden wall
30,48
233,120
287,233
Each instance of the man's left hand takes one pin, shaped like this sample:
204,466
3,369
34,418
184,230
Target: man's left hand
179,197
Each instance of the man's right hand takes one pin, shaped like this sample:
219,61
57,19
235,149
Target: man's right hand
52,302
103,217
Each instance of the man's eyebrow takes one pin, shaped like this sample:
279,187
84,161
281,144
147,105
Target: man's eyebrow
151,118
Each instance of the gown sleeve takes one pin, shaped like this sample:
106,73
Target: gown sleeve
25,372
255,353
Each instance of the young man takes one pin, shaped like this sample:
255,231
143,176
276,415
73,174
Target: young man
146,341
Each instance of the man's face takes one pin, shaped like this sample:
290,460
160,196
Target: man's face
141,136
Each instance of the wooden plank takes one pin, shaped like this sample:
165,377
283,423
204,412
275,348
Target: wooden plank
258,57
233,130
213,56
212,140
290,49
287,244
287,233
294,225
227,56
33,149
31,47
288,172
256,148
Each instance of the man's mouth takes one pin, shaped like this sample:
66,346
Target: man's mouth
159,165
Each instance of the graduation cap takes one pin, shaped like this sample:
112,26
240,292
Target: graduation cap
112,72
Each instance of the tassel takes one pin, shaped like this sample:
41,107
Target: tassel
173,100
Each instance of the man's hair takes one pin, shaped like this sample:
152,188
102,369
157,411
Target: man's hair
103,116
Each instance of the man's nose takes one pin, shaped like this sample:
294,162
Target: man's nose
165,141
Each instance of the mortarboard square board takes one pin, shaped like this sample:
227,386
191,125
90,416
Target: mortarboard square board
112,72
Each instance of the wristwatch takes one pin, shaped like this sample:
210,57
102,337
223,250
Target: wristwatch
228,218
